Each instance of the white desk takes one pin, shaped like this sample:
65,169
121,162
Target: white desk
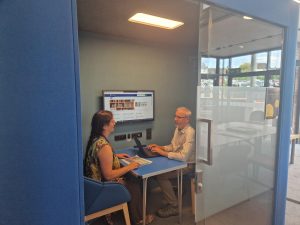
241,131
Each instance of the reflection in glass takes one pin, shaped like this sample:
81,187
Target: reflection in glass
224,66
238,186
259,81
260,61
223,80
242,62
208,65
241,82
275,59
274,81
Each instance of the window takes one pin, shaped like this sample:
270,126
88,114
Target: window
223,80
275,59
242,62
259,81
208,65
260,61
224,66
243,71
274,81
241,81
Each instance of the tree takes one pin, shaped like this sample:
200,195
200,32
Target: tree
245,67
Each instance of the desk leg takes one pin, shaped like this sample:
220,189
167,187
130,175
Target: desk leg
292,152
145,180
179,187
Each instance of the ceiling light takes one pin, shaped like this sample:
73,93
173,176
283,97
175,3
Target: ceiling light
155,21
248,17
205,6
298,1
241,46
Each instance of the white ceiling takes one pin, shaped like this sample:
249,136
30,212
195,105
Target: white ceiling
234,35
110,17
227,33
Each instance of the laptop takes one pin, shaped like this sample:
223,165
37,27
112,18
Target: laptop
143,151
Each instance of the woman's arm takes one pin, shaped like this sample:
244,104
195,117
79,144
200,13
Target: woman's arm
105,157
122,155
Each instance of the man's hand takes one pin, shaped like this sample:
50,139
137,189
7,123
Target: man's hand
159,150
122,155
152,146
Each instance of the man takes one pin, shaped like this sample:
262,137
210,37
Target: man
182,148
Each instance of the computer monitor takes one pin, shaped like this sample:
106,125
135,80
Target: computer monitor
129,105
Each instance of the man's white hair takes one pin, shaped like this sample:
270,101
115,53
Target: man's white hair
186,111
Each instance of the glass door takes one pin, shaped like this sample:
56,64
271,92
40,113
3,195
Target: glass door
237,112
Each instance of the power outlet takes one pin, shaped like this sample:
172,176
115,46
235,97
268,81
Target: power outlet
137,134
148,133
120,137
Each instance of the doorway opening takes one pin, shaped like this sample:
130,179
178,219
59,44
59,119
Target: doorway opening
218,64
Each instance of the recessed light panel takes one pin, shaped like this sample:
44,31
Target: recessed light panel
247,18
155,21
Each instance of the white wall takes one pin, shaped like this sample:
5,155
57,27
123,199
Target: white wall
111,64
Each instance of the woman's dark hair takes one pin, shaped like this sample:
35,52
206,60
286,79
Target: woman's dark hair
100,119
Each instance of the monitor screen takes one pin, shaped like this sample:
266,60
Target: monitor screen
129,105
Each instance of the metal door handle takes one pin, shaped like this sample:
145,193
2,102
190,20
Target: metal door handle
207,161
198,182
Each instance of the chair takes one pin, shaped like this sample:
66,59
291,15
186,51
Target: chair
102,198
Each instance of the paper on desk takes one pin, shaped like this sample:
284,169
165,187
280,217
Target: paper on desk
137,159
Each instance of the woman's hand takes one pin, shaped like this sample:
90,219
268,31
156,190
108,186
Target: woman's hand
121,180
122,155
133,165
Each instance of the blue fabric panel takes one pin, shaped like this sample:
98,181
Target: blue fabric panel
39,146
284,124
103,195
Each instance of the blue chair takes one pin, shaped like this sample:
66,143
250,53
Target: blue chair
102,198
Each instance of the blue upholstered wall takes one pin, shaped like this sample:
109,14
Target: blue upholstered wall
39,144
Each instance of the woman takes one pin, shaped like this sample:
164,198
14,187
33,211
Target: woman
101,163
